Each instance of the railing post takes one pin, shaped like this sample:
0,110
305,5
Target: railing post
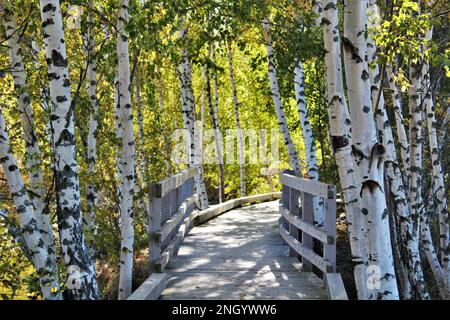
329,250
294,209
154,225
307,216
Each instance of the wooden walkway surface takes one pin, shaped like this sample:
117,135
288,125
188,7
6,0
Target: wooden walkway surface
239,255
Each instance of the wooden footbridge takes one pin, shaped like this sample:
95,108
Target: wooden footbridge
256,247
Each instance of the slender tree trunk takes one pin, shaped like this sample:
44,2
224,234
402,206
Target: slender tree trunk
188,108
399,122
32,151
38,250
439,189
308,138
127,182
81,272
408,229
368,153
214,115
340,127
276,96
240,137
44,95
91,189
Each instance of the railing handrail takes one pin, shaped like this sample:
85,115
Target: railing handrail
161,188
171,215
295,218
315,188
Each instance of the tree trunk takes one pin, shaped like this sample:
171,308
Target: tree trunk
439,189
32,150
240,137
127,182
399,122
214,116
408,229
276,96
82,283
340,127
91,189
38,250
368,153
308,138
188,108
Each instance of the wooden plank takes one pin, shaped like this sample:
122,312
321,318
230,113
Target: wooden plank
305,252
239,255
335,286
329,249
312,187
223,207
308,218
293,210
173,222
154,225
151,288
172,248
161,188
310,229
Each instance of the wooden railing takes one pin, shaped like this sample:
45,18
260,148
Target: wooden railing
172,203
298,230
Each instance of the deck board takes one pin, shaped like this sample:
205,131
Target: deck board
239,255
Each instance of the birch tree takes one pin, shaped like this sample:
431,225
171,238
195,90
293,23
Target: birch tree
408,229
32,149
127,181
81,271
240,137
276,96
368,152
214,117
37,249
439,189
308,138
340,127
91,88
188,109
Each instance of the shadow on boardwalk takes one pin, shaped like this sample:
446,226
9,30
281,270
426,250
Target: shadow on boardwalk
239,255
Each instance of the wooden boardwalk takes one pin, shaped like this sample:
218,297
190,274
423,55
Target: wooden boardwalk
239,255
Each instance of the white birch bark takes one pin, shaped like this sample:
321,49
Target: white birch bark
308,138
399,121
317,10
240,137
340,126
214,117
82,284
32,150
408,229
439,189
37,249
91,188
188,109
368,153
276,96
44,95
426,242
443,136
127,182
